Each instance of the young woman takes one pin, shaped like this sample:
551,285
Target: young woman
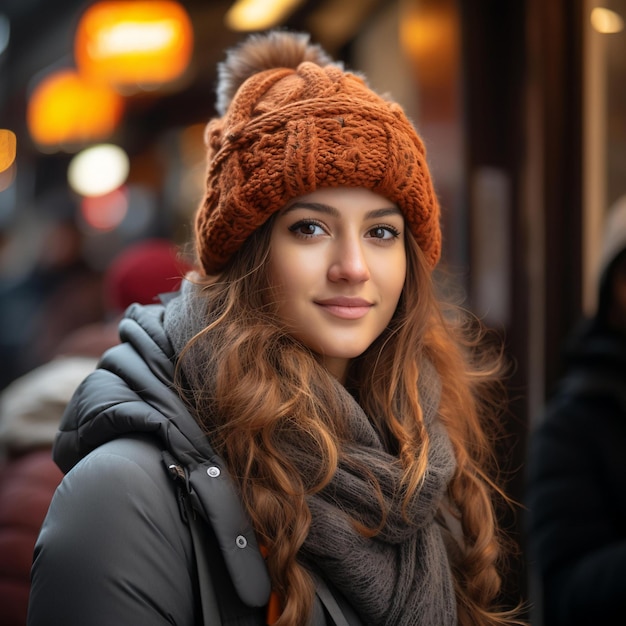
301,435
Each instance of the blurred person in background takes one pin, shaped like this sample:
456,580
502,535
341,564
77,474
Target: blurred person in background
576,498
31,408
49,291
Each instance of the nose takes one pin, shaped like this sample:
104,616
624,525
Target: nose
349,262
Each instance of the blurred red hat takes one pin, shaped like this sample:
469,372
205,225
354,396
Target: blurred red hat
141,272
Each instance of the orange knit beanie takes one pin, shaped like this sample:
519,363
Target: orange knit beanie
292,121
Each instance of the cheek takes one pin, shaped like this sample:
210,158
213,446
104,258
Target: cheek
391,277
289,275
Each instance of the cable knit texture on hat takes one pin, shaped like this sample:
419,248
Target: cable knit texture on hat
293,122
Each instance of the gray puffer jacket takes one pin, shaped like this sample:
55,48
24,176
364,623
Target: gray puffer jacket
115,547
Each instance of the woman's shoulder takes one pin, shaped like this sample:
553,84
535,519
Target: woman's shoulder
122,486
115,536
127,469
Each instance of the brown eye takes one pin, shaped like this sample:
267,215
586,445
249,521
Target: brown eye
383,232
379,233
307,228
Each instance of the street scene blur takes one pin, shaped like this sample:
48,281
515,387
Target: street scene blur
103,109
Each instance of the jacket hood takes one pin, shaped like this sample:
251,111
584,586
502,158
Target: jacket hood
131,392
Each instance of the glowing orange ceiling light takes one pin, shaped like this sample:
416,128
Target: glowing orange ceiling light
65,110
606,21
8,146
128,43
248,15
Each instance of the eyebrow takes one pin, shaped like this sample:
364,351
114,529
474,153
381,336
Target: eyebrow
334,212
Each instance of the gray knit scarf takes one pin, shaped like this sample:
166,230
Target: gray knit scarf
402,576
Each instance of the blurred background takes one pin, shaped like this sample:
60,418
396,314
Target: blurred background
521,106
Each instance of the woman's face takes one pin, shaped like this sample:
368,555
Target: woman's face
337,265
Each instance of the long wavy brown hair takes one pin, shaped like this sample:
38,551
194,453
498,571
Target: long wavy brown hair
255,390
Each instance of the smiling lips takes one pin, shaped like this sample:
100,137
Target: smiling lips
345,308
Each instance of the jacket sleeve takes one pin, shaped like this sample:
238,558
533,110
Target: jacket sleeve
576,539
114,548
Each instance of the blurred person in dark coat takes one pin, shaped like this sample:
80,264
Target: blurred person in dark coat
577,461
48,288
31,408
